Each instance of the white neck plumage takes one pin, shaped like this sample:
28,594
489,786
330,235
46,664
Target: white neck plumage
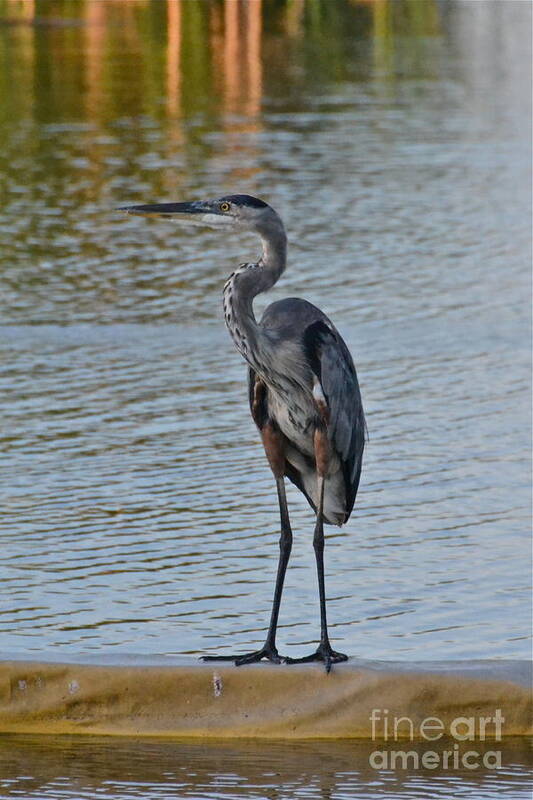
244,285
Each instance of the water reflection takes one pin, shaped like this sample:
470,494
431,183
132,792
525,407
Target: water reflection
78,767
138,512
223,53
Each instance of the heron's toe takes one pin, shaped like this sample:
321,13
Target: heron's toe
323,653
218,658
267,654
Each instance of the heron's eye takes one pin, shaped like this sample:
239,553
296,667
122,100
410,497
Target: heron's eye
224,206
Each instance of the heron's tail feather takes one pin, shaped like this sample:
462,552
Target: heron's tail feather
335,512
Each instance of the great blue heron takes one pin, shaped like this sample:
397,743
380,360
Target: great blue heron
303,392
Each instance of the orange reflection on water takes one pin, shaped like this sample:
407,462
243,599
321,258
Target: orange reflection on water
242,56
173,56
231,54
24,9
95,34
253,56
243,84
175,137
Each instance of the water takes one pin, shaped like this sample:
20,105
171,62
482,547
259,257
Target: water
85,768
138,513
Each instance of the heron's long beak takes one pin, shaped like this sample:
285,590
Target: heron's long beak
196,213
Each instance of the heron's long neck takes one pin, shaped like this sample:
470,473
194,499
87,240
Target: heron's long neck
243,286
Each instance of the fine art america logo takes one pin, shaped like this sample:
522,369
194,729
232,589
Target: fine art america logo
458,754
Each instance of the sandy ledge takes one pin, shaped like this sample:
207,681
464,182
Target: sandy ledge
139,696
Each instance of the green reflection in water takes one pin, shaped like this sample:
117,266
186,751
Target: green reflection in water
180,58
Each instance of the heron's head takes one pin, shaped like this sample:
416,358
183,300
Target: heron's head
239,211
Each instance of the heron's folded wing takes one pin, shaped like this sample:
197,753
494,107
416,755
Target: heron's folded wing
332,363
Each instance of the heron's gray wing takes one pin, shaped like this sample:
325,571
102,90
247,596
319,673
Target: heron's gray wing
330,360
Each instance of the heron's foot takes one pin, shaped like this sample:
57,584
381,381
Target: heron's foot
266,653
325,653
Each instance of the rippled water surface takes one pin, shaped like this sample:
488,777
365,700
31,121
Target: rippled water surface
85,768
138,512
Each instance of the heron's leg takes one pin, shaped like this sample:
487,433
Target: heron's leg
285,547
324,652
273,447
